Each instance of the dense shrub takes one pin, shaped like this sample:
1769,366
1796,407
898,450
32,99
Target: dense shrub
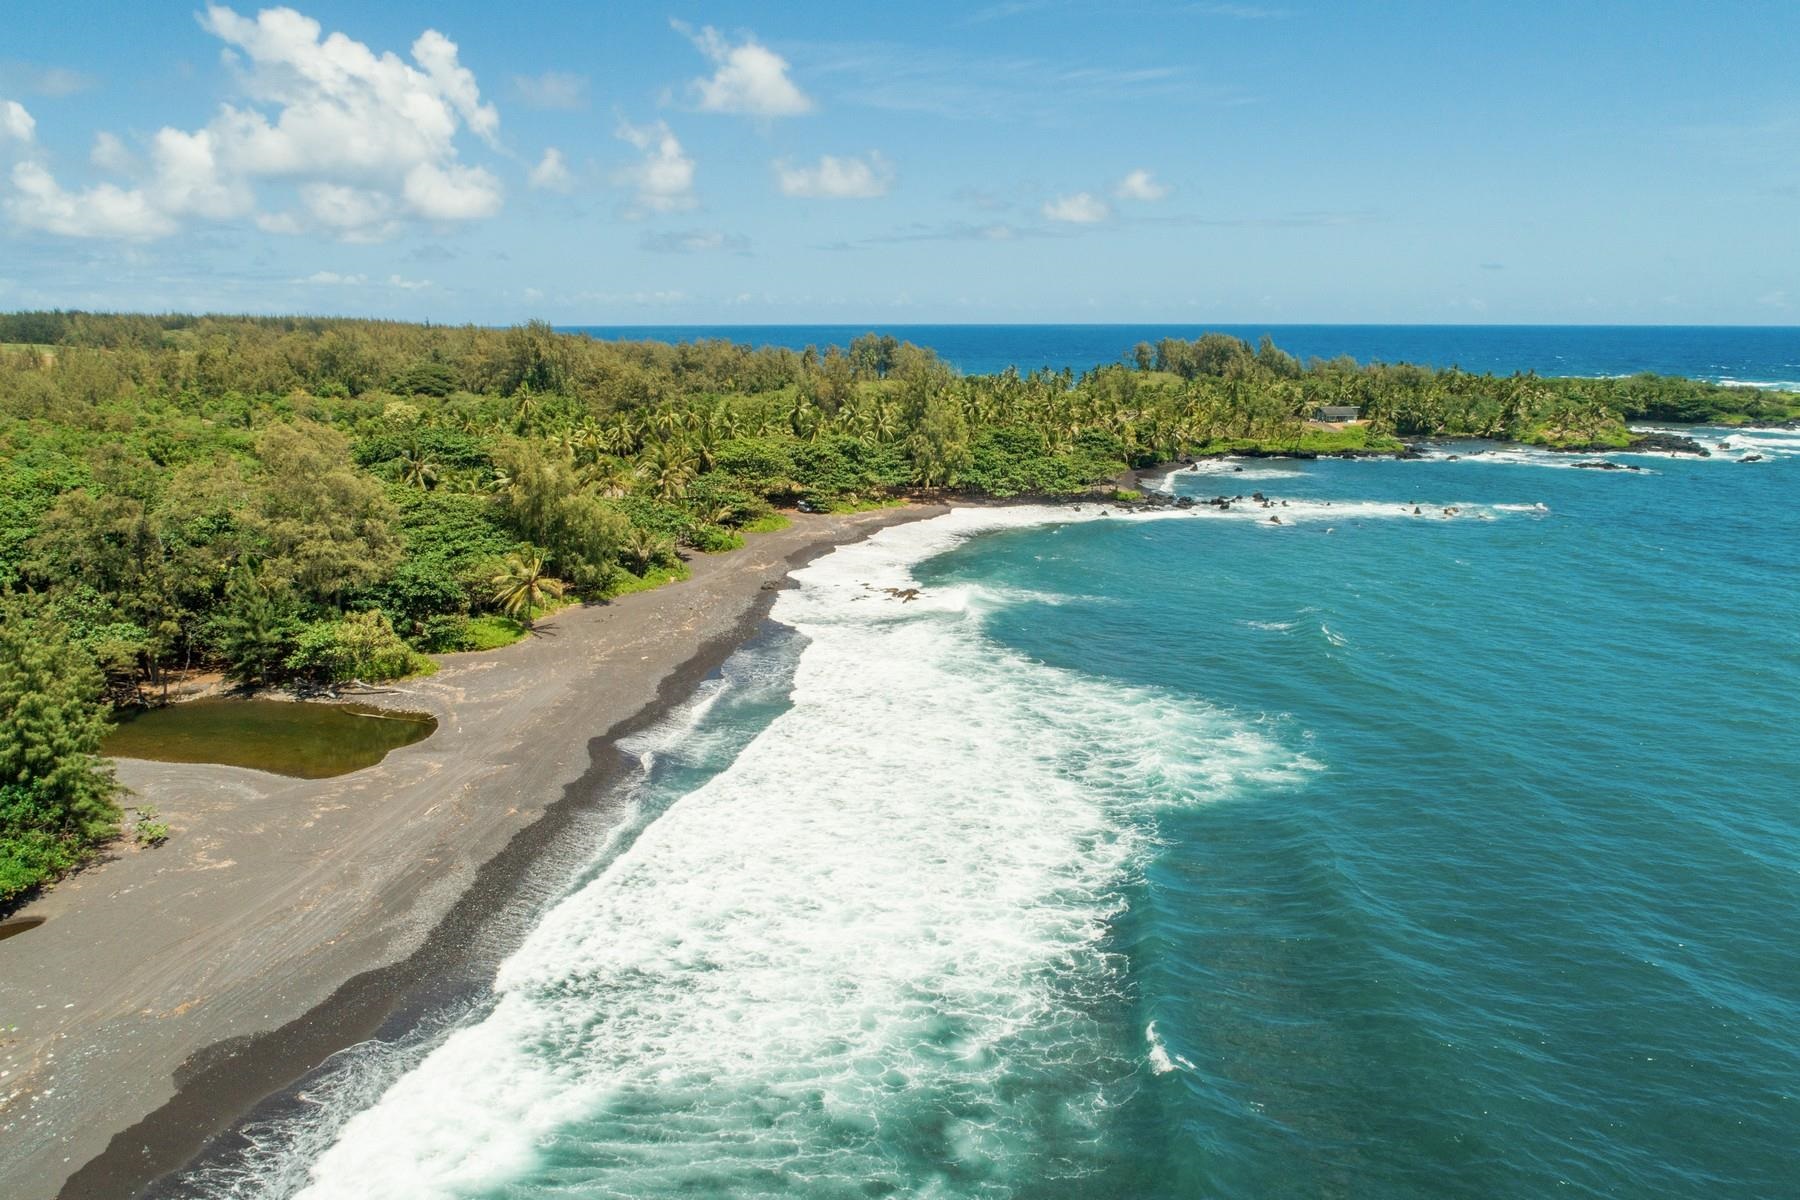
57,796
361,646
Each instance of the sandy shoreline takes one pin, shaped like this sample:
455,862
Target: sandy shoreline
171,990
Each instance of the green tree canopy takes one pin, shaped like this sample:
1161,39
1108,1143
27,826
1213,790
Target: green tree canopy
325,526
56,792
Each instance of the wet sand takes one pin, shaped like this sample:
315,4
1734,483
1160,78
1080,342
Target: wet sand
170,990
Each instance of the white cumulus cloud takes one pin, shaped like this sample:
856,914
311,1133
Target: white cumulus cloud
663,180
836,178
333,279
748,78
351,213
552,172
365,141
451,192
16,124
110,154
187,180
1082,208
1140,185
102,211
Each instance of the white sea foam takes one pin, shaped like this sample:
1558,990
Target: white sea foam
1237,468
1165,483
1773,385
1280,513
1733,443
1161,1061
874,945
1770,443
1521,456
1274,512
275,1154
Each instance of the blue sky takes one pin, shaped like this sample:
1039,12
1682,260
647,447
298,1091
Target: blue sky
1287,161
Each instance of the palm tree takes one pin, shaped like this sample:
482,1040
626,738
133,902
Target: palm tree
709,427
525,408
719,513
417,469
667,468
607,476
523,587
724,420
588,440
882,426
644,549
802,419
665,422
619,437
703,441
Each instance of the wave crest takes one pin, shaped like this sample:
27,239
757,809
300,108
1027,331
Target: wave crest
875,945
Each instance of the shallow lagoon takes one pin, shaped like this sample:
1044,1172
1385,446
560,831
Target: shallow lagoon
307,741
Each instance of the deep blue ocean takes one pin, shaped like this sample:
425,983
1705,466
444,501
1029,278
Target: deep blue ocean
1423,830
1764,356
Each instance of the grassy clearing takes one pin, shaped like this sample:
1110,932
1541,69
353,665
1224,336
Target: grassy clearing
490,631
420,666
772,523
650,580
1612,434
1353,437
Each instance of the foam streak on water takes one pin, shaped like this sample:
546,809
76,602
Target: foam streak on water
270,1154
872,952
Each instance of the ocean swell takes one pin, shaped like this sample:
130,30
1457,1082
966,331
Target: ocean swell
874,952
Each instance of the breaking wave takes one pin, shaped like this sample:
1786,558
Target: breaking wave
873,952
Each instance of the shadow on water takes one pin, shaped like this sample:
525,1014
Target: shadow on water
303,740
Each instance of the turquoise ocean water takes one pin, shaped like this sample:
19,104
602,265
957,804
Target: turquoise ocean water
1370,853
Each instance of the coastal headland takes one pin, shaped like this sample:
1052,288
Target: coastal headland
169,990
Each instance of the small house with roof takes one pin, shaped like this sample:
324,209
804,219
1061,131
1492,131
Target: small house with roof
1333,414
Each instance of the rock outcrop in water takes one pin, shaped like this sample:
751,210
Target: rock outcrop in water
1670,443
1655,442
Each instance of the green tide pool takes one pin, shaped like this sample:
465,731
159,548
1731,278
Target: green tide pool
307,741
